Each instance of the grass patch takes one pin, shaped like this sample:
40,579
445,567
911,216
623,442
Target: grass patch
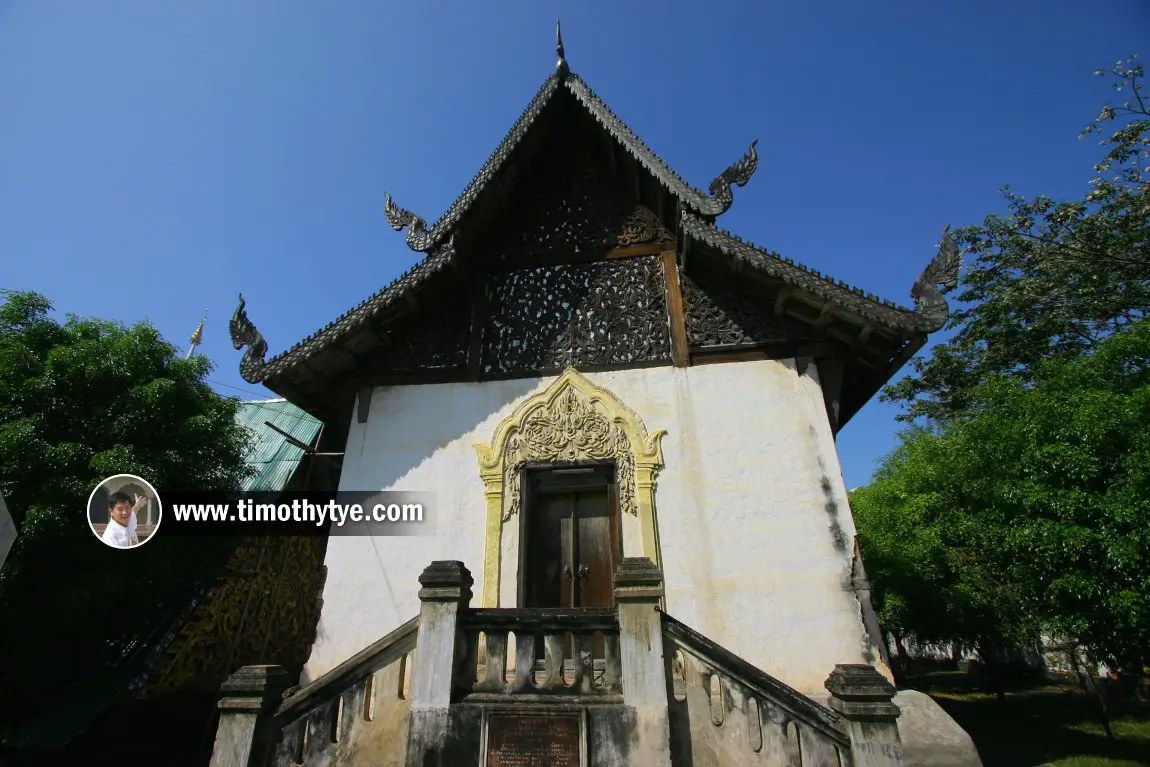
1050,723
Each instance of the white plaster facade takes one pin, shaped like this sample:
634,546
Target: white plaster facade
754,527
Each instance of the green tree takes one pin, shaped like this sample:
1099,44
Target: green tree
1048,279
1027,511
80,401
918,538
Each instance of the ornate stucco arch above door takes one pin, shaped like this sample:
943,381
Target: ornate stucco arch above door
570,420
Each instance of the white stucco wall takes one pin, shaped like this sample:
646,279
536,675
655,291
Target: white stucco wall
752,512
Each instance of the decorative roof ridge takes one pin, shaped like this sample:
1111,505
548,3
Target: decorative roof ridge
720,198
254,369
420,237
630,140
424,238
866,304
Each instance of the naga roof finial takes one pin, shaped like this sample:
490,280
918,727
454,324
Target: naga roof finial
418,236
561,68
244,333
942,272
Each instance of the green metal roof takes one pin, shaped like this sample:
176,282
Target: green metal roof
272,456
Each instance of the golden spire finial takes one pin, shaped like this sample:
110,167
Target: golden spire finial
198,334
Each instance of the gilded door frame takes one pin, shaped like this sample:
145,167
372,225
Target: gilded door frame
571,420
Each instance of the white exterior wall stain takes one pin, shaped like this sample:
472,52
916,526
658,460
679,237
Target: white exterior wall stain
741,506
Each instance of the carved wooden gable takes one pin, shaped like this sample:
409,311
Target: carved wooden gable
583,314
577,306
573,203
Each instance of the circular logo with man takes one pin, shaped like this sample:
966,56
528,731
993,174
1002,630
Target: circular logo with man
124,511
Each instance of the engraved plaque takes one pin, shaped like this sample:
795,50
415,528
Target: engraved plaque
534,740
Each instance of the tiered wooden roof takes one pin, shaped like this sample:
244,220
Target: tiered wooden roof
574,205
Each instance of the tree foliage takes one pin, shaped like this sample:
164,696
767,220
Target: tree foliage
80,401
1019,501
1028,512
1048,279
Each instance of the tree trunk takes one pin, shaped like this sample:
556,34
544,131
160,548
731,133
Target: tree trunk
988,653
1092,690
899,668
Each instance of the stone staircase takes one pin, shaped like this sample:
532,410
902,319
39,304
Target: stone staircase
627,685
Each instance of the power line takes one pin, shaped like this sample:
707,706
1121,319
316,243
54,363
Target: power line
229,386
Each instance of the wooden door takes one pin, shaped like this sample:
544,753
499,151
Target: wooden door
548,552
571,543
594,549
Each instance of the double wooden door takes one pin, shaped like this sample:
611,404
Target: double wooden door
571,541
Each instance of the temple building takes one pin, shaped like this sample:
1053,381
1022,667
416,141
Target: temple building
641,544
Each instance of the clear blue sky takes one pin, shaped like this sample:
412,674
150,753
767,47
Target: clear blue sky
158,158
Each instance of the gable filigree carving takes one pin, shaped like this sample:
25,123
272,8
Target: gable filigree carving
571,420
719,315
574,203
597,313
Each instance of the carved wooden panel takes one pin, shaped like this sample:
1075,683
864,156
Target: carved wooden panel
598,313
574,202
434,339
720,315
263,611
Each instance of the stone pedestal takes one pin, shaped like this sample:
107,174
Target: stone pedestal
638,592
864,698
247,702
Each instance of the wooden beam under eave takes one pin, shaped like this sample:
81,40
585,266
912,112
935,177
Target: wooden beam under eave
824,315
686,248
637,178
879,376
831,380
305,374
781,350
299,395
612,157
363,404
680,356
781,300
863,336
736,265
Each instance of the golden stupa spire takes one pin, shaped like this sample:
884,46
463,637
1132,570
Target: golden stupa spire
197,335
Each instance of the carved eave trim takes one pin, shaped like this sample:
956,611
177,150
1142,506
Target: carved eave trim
852,300
356,319
714,204
537,431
